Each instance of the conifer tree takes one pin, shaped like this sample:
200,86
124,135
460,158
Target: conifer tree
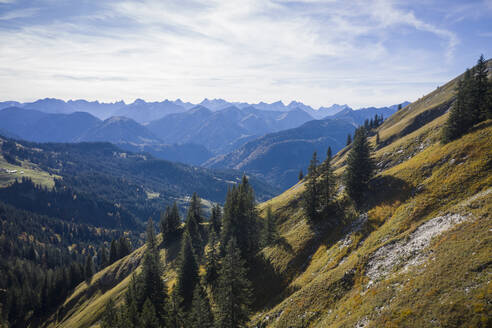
212,265
88,268
216,218
301,175
113,252
311,193
239,220
349,139
187,274
148,317
479,93
110,318
269,234
399,106
104,261
201,313
133,299
193,224
326,183
153,287
234,289
170,223
377,138
456,124
359,167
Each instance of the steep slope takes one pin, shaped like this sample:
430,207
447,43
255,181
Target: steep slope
417,256
278,157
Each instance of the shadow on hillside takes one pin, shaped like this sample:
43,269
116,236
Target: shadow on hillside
419,121
387,189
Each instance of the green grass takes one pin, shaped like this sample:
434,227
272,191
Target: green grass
26,169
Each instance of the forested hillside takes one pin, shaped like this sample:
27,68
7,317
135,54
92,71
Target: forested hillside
394,230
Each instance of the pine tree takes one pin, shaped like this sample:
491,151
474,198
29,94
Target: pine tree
193,223
377,138
148,317
133,299
88,268
170,223
399,106
480,88
349,139
234,289
311,193
113,252
326,183
216,218
187,274
359,167
153,288
456,124
123,246
269,234
201,313
110,315
239,220
212,265
104,257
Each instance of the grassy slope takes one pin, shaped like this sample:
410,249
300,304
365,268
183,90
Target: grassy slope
324,268
30,170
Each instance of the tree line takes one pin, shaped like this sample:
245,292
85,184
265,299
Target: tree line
473,102
225,247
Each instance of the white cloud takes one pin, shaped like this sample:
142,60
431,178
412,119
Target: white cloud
320,52
18,13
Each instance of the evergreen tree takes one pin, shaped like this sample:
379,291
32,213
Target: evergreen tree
123,246
234,289
170,223
104,257
399,106
193,224
239,220
216,218
326,183
359,167
456,124
133,299
201,313
311,193
113,252
88,268
377,138
269,234
301,175
479,93
110,318
212,265
153,287
187,274
149,317
349,139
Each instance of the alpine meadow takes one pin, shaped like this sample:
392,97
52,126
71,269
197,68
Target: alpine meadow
346,181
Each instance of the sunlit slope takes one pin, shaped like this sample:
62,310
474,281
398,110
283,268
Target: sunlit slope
84,307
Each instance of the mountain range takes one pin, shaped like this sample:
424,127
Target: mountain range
144,112
278,157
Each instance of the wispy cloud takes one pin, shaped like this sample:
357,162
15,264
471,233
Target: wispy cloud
18,13
359,52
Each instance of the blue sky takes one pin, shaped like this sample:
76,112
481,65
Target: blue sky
362,53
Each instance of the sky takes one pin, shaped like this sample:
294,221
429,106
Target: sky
320,52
